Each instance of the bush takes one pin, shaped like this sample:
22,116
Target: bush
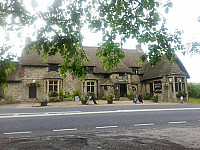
61,93
68,96
54,99
76,93
53,94
193,90
104,97
131,96
148,96
9,98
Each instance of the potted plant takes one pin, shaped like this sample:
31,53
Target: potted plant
44,101
155,98
76,95
110,99
84,99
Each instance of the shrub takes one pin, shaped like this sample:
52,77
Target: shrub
53,94
104,97
68,96
193,90
9,98
61,93
131,96
148,96
76,93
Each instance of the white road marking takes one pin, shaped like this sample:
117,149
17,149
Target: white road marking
177,122
46,114
25,132
149,124
105,127
60,130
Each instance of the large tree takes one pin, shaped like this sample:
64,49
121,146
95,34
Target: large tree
57,29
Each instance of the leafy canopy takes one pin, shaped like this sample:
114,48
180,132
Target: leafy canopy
57,29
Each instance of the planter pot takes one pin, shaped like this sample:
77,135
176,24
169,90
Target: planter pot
110,102
83,102
43,103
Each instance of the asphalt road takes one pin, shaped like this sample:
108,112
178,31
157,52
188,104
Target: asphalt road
64,120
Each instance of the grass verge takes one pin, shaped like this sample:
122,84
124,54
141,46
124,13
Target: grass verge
193,100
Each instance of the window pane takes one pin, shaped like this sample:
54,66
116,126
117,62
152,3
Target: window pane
183,79
88,83
171,87
92,83
50,82
55,88
50,88
180,87
92,88
88,88
176,87
175,79
183,87
55,82
170,80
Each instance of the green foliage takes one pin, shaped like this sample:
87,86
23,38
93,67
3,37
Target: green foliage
131,96
76,92
104,97
61,93
53,94
111,97
9,99
67,95
155,98
54,99
63,21
193,90
148,96
6,66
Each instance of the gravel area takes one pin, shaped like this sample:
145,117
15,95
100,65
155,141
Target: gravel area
149,139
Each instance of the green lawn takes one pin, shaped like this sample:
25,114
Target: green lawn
194,100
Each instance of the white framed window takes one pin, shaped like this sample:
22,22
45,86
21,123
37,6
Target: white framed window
52,85
90,87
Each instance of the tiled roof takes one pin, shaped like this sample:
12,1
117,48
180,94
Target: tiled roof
15,75
130,60
165,68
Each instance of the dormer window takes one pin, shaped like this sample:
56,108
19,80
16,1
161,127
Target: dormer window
121,74
90,70
106,75
53,67
135,70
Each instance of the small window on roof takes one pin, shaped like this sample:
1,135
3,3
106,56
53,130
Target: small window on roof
90,70
106,75
53,67
135,70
